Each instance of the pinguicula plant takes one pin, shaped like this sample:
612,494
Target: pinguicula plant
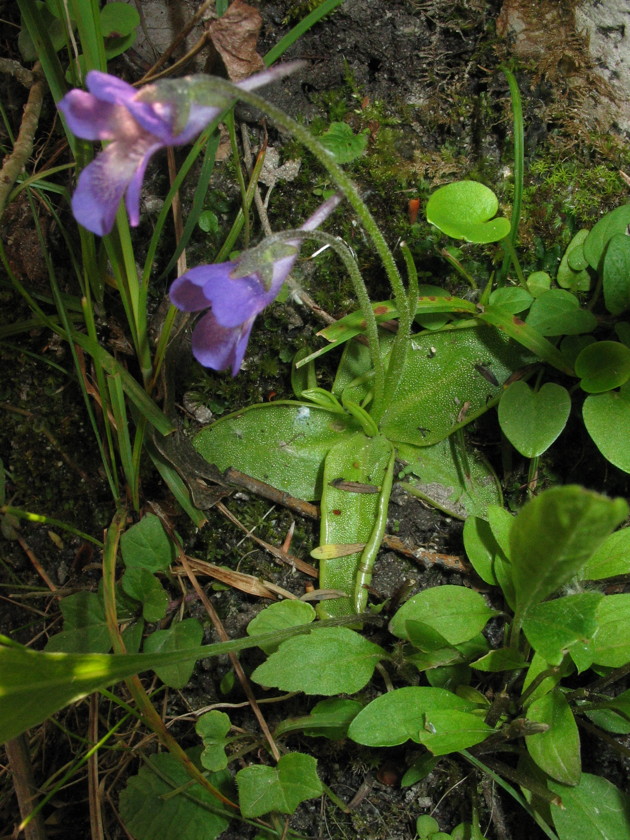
394,416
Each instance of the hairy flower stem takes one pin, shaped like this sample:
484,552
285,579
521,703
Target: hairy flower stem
351,193
371,328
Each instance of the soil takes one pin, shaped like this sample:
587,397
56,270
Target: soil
422,78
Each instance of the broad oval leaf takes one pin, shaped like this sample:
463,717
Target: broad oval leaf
611,558
398,716
552,538
554,627
611,642
556,751
532,420
455,612
592,810
449,379
334,660
465,210
607,420
282,443
446,731
183,635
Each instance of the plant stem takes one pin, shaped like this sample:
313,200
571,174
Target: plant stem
371,328
519,172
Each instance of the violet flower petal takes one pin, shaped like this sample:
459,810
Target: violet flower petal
103,183
89,117
188,291
219,347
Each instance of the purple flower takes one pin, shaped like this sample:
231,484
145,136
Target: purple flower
237,291
138,122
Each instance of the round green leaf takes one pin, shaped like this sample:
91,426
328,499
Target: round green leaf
465,210
593,810
118,20
454,611
602,366
513,299
538,282
532,420
607,420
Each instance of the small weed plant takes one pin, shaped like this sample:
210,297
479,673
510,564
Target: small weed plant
414,371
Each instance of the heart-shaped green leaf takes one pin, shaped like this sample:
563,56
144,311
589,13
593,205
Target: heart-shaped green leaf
281,788
532,420
466,210
602,366
558,312
607,420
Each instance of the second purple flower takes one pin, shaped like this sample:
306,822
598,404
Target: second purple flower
237,292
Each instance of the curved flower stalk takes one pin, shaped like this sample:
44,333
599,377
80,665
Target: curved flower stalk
237,292
139,123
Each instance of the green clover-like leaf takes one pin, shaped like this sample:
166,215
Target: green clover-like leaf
466,210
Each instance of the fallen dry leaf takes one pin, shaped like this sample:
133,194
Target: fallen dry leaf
235,36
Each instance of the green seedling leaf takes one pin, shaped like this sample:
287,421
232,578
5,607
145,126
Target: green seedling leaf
602,366
282,443
348,516
455,612
459,482
538,282
398,716
336,661
183,635
328,719
277,617
447,731
556,751
212,728
593,809
426,826
596,242
611,558
148,808
610,720
419,770
142,585
342,143
558,312
501,521
84,625
502,659
555,627
481,548
512,299
118,20
607,420
552,538
447,660
572,273
611,642
532,420
145,545
281,788
465,210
